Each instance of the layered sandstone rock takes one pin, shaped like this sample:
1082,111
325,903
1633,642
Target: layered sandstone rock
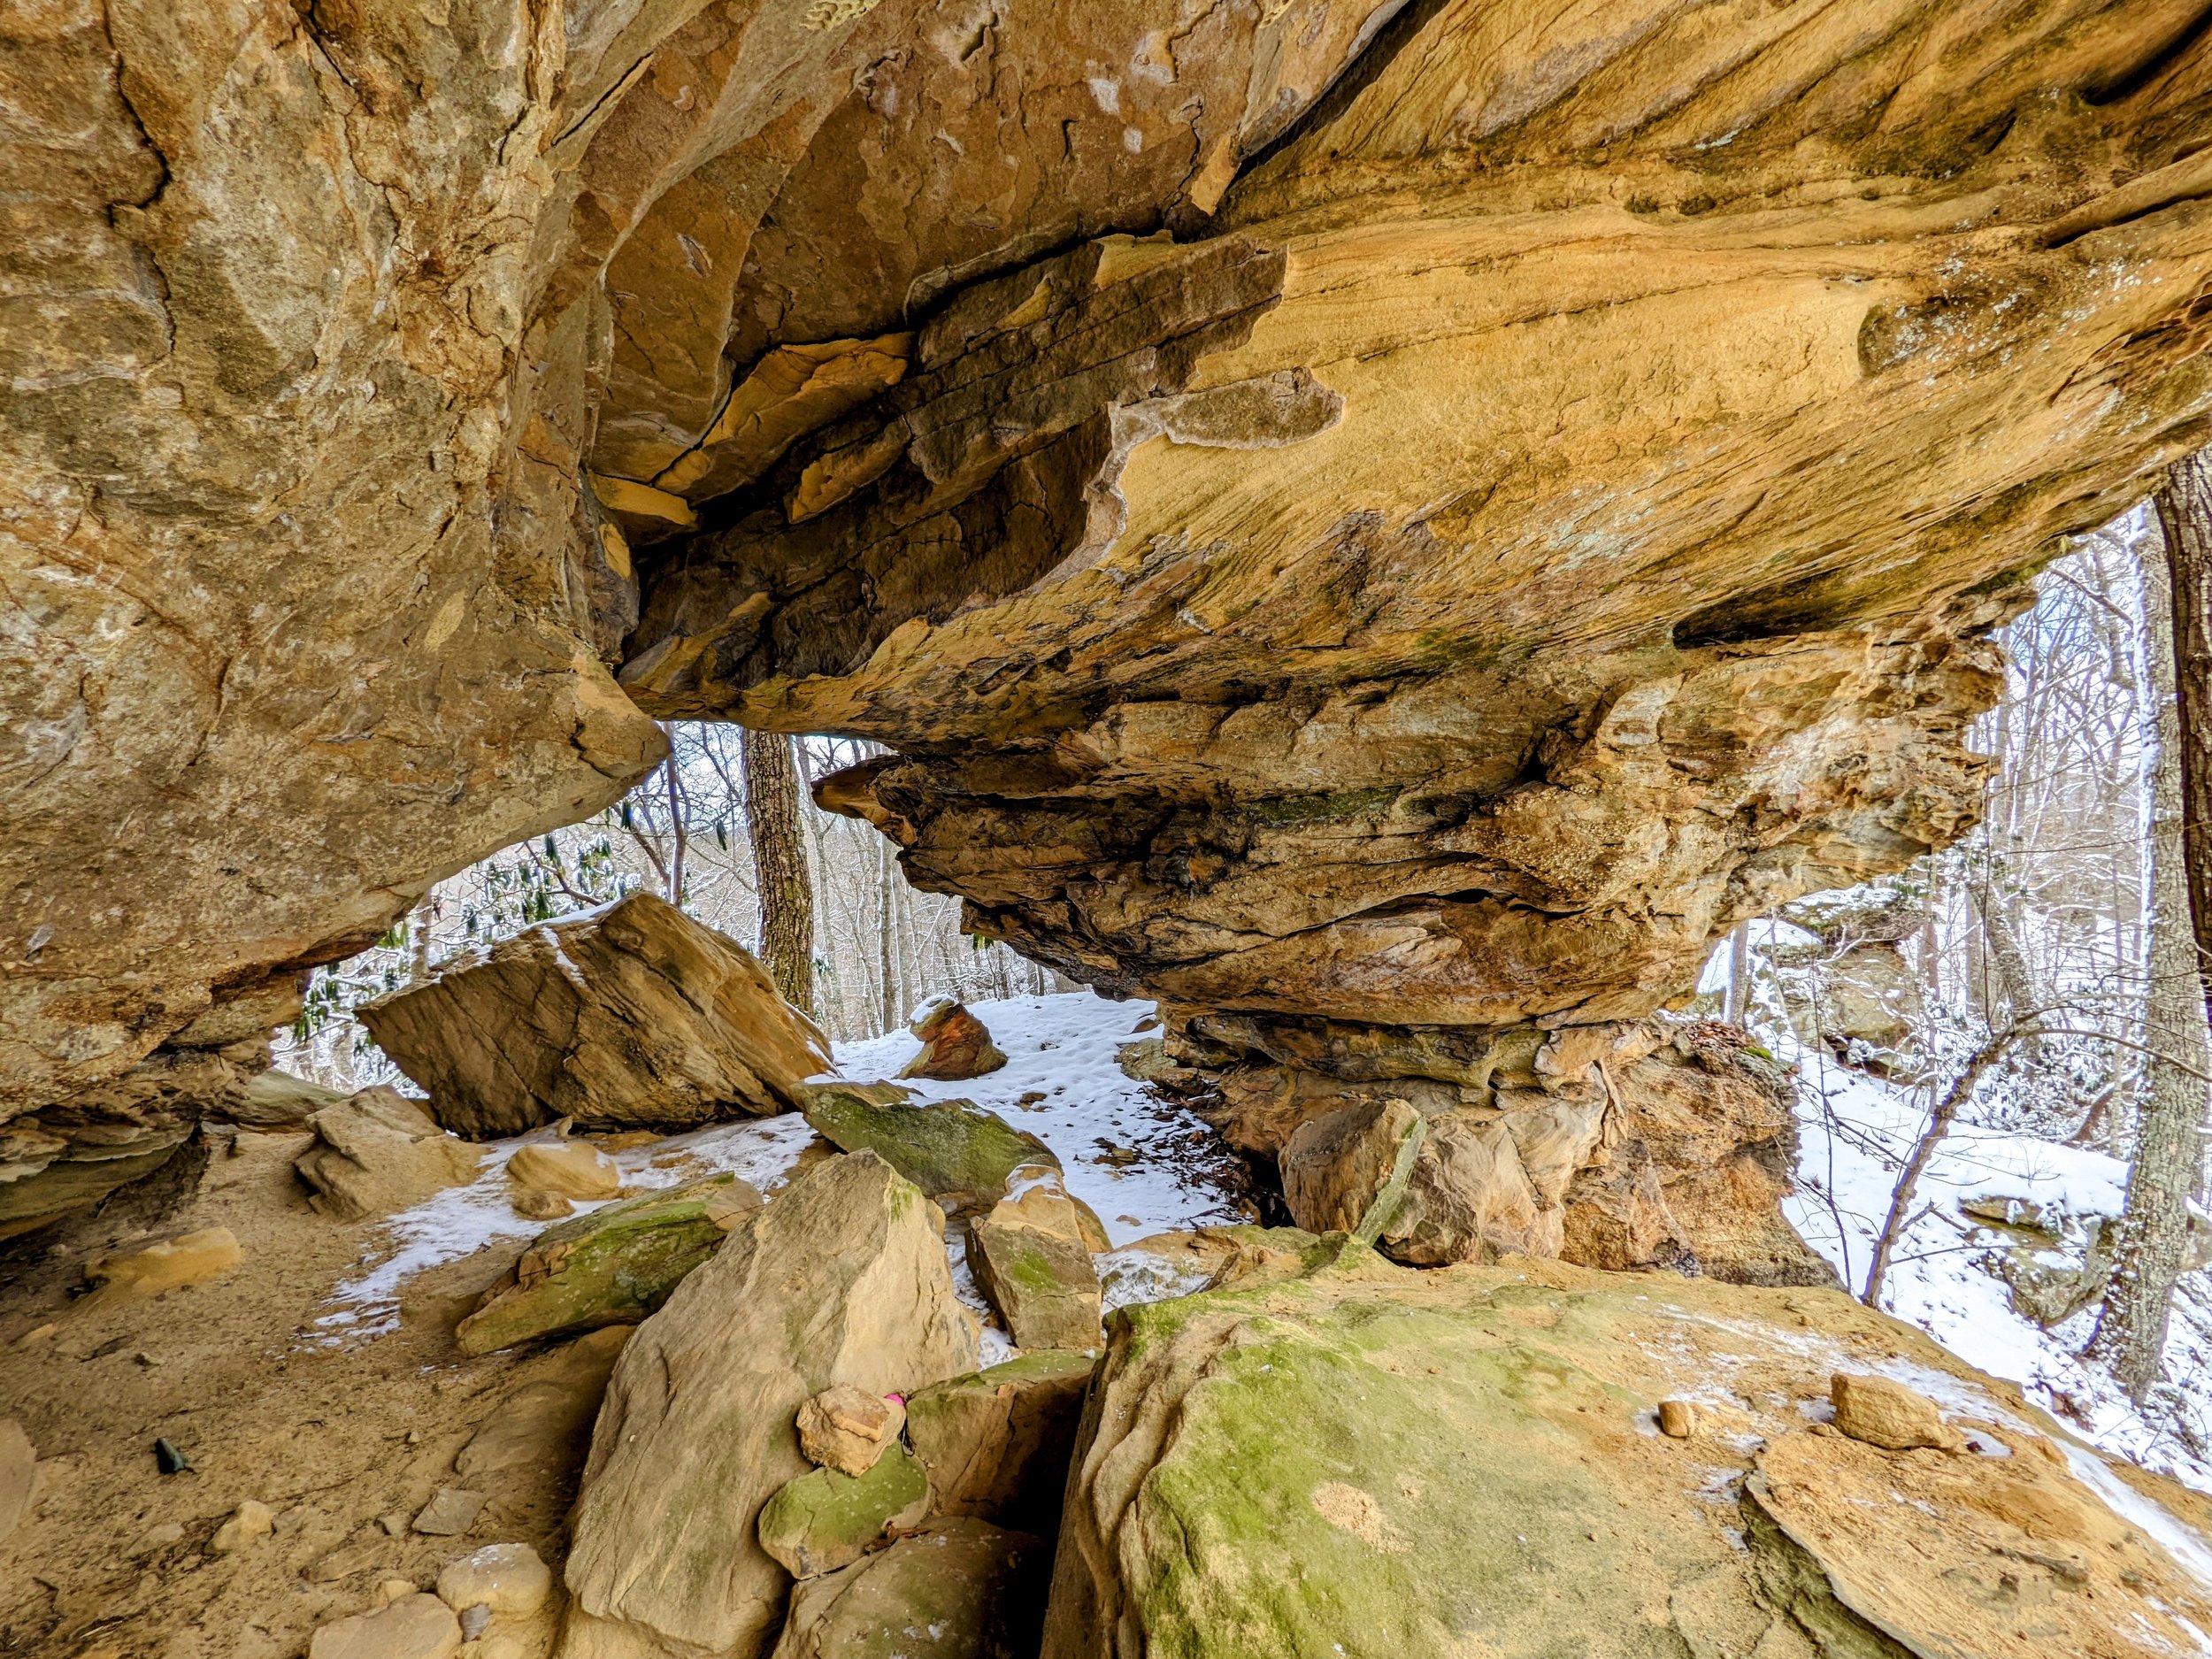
1196,1525
842,1279
628,1015
1539,501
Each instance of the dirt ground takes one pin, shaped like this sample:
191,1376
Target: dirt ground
346,1442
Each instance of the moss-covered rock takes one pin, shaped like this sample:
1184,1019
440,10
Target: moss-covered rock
996,1443
953,1150
826,1519
1043,1282
611,1266
957,1589
1331,1456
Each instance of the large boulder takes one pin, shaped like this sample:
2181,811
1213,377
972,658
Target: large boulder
378,1151
612,1266
842,1279
996,1442
1329,1455
956,1589
954,1150
628,1017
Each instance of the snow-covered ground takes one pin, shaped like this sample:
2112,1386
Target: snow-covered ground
1855,1132
1149,1166
1062,1083
1144,1165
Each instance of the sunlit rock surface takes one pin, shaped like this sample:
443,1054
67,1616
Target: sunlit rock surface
1415,516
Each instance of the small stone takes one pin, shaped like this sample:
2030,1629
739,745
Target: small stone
504,1578
391,1590
160,1537
416,1626
37,1334
451,1512
533,1205
1678,1419
571,1169
475,1621
169,1458
146,1359
1889,1414
120,1278
847,1428
395,1524
250,1521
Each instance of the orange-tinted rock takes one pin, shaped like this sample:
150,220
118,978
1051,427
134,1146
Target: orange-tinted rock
955,1046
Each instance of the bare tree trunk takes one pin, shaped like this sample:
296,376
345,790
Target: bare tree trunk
2131,1335
671,776
2001,934
1738,973
887,902
1939,1121
419,955
787,895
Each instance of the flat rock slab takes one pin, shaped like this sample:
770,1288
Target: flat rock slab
996,1443
952,1149
633,1016
1329,1454
413,1627
957,1589
612,1266
450,1512
196,1258
826,1519
842,1279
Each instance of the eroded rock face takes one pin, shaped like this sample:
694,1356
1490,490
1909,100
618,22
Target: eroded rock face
1540,501
1195,1526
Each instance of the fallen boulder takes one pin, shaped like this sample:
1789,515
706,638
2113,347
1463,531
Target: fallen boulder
842,1279
631,1015
956,1045
826,1519
996,1442
276,1103
1348,1171
956,1589
613,1266
378,1151
954,1150
1032,1256
1334,1454
1884,1412
563,1169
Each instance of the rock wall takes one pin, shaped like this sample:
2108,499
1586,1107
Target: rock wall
1415,516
